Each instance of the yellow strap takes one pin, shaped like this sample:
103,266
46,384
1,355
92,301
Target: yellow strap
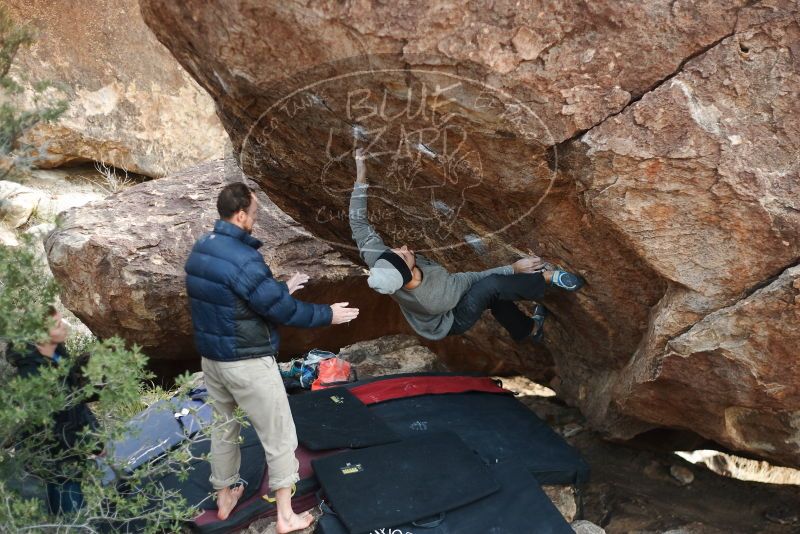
267,498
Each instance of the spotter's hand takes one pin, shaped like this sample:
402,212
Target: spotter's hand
343,314
297,281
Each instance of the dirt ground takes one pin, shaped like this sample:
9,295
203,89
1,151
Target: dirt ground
633,491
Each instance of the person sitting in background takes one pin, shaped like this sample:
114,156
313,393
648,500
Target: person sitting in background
64,494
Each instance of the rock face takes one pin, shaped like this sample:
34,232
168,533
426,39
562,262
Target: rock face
740,468
390,355
563,498
586,527
120,261
17,203
131,105
8,238
649,146
700,178
734,372
43,195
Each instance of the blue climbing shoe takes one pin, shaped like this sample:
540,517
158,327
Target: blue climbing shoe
539,315
567,280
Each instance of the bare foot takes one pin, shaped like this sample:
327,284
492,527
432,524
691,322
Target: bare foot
227,499
294,522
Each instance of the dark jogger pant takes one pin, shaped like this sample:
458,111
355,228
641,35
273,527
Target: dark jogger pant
498,292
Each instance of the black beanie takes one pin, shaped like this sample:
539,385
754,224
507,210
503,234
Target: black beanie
398,263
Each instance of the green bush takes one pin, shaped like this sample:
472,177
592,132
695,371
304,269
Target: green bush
114,379
15,120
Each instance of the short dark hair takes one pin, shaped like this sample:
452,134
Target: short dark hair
49,313
234,197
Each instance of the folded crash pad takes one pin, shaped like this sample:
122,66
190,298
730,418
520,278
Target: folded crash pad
156,430
519,507
498,427
402,482
334,418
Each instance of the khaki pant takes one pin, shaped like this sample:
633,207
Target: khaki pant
256,386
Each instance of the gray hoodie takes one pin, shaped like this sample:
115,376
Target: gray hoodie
428,308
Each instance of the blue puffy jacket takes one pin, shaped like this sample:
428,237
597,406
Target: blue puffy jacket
236,303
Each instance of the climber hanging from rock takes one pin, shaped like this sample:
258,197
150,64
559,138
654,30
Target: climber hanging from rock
437,303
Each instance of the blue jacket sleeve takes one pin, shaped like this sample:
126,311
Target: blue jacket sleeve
271,299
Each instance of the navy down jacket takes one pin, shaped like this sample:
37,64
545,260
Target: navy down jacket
236,303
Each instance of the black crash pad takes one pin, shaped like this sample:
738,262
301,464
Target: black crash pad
498,427
401,482
519,507
334,418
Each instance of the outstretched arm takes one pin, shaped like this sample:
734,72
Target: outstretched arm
370,244
271,299
530,264
466,279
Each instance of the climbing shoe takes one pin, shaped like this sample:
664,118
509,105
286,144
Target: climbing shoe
539,315
567,280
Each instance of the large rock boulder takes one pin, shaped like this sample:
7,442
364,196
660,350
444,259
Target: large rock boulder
17,203
733,373
119,263
43,194
650,146
573,64
130,104
700,178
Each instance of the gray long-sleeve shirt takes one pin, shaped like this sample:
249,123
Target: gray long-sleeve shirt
428,308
